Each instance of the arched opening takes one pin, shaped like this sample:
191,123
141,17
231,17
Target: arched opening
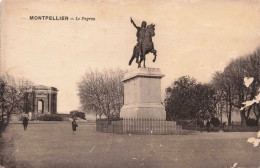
40,106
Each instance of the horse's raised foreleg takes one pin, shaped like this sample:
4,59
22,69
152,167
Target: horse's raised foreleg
155,54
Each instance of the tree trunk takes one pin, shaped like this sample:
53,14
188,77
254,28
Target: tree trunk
243,117
229,114
248,111
8,118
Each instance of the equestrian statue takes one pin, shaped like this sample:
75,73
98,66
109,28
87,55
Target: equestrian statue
144,43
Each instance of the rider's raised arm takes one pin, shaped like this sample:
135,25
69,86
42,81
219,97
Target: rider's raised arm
134,23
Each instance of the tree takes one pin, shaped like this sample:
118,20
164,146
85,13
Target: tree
253,70
188,99
232,86
13,94
101,93
223,87
206,100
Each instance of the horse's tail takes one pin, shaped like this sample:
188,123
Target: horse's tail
133,56
131,60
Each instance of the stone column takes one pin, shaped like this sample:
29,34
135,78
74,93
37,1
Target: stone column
50,97
35,105
55,109
142,94
45,104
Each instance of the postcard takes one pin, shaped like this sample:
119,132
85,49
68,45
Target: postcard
122,83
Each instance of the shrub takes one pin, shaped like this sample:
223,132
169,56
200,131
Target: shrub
77,114
3,125
215,121
49,117
200,123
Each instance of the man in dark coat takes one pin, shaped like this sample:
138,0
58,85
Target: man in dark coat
25,123
74,125
208,126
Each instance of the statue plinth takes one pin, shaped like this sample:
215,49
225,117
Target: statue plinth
142,94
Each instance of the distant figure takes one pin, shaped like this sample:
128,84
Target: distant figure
208,125
74,125
25,123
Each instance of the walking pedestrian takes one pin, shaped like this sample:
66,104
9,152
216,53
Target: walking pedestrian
208,125
25,123
74,126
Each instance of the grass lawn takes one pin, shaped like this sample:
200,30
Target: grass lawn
53,145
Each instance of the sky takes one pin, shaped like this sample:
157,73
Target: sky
192,37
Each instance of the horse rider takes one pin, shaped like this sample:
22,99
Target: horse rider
140,34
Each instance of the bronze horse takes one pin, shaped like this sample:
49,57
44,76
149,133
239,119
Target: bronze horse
146,47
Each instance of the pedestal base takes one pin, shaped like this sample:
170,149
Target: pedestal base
142,94
144,111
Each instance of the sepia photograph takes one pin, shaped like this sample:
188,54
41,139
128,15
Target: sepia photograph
130,84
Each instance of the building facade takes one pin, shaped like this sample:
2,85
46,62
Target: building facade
41,100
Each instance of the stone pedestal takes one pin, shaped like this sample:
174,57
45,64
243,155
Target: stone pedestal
142,94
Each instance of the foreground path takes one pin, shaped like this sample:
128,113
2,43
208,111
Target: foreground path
53,145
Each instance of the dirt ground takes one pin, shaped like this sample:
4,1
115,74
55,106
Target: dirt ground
53,145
